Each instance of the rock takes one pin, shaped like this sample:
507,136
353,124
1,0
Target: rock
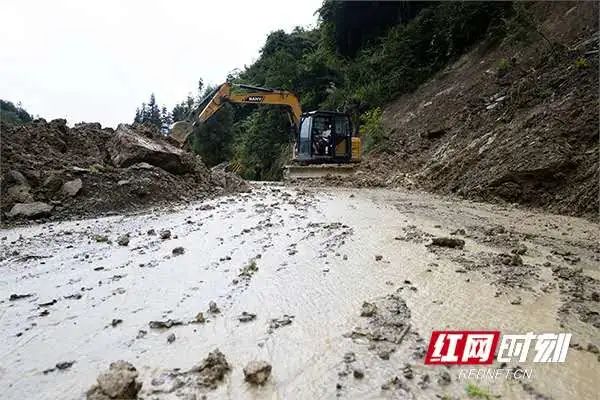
88,125
123,240
519,250
20,193
52,183
199,318
141,334
276,323
592,348
213,308
15,296
151,232
516,301
14,176
171,338
447,242
177,251
119,382
164,324
257,372
358,373
129,147
59,124
101,238
71,188
349,357
407,371
165,234
444,378
211,370
368,309
378,257
246,317
30,210
65,365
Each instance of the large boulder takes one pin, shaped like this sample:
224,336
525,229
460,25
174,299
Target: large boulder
129,147
30,210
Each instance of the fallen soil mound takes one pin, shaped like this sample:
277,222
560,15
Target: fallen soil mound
518,123
49,170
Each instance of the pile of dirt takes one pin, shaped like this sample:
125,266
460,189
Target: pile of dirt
517,123
51,171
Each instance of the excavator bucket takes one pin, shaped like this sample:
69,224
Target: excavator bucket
180,131
318,171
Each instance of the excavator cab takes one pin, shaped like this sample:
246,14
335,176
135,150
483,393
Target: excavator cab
326,137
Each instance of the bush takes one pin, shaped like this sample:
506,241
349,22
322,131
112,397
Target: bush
372,129
582,63
13,114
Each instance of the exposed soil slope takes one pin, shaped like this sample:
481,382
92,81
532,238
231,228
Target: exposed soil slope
518,123
87,170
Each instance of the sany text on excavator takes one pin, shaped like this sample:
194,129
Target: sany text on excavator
324,141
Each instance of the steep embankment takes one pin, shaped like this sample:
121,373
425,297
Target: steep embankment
518,123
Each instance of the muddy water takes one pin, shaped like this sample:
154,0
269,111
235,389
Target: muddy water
315,253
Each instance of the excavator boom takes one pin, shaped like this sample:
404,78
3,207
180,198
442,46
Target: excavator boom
223,94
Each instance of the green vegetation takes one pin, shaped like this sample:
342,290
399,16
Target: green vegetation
360,56
582,63
13,114
503,66
477,392
372,129
153,114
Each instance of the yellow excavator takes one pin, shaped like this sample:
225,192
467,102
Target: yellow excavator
324,141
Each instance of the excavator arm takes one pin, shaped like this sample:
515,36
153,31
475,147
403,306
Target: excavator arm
223,94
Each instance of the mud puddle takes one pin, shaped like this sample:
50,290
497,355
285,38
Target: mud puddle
282,275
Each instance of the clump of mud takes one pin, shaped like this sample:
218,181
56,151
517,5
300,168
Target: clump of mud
119,382
205,376
52,171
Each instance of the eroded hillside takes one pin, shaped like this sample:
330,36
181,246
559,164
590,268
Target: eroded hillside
518,123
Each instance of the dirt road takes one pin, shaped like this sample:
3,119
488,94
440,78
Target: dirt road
343,285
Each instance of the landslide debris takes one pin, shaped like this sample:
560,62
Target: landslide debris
119,382
50,170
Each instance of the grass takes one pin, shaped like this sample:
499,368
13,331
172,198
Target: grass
477,392
503,66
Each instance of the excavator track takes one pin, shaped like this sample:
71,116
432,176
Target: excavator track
296,171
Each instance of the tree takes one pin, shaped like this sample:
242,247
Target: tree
154,116
13,114
165,119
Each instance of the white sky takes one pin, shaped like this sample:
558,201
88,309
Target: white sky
98,60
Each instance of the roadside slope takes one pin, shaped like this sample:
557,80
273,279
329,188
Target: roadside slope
516,124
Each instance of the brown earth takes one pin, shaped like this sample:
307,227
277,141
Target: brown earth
517,123
89,171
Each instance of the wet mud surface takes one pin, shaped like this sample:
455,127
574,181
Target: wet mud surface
294,294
